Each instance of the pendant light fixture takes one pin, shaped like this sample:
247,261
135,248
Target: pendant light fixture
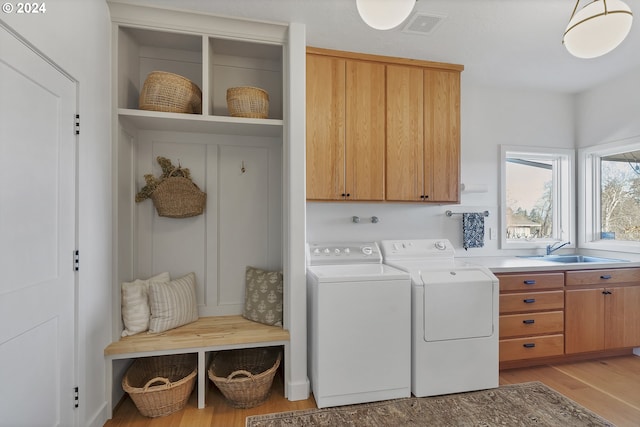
384,14
597,28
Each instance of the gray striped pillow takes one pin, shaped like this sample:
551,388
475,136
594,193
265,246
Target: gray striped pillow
172,303
135,304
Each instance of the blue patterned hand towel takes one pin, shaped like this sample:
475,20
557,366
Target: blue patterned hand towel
472,230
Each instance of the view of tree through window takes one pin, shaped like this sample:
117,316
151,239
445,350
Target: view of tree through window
529,198
620,196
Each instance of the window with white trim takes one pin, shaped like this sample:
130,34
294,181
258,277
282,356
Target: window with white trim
537,196
610,197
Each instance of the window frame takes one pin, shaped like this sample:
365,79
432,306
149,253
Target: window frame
589,218
563,162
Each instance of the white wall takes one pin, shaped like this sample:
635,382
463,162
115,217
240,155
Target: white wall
75,34
490,116
609,112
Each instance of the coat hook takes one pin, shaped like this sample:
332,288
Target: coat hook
242,168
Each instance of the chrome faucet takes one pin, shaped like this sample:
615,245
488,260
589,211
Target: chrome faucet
552,248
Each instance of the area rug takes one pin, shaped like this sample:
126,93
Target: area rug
527,404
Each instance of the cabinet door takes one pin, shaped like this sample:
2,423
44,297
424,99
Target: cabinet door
584,320
622,316
442,135
365,130
325,127
405,138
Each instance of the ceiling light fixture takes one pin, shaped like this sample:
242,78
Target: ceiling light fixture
597,28
384,14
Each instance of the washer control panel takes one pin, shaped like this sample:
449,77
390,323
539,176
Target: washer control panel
343,253
417,249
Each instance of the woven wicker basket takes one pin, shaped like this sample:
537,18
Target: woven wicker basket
247,101
178,197
174,378
245,376
163,91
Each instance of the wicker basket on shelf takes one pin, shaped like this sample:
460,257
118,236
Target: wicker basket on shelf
247,101
163,91
161,385
245,376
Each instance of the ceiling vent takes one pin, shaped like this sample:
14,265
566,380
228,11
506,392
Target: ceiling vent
423,23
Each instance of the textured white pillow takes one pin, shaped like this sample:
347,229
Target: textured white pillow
135,304
172,303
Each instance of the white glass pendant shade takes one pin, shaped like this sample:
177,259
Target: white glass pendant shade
592,32
384,14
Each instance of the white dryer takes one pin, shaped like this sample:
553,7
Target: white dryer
454,318
359,320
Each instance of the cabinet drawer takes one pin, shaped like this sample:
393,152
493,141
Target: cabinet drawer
603,277
531,301
529,348
533,281
522,325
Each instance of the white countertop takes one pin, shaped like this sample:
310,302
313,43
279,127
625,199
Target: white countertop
507,264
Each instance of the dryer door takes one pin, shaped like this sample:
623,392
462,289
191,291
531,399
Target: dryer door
458,304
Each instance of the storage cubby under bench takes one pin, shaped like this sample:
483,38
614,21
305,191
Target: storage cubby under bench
206,334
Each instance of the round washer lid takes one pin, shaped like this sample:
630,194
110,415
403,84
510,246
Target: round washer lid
355,273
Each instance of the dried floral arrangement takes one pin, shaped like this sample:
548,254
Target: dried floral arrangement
167,170
174,193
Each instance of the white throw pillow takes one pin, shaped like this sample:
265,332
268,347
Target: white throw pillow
135,304
172,303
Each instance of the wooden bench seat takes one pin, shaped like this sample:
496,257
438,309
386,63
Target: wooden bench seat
204,335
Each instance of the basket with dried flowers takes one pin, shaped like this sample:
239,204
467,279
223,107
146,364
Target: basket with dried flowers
174,193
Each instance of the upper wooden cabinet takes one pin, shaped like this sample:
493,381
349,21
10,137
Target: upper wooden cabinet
382,128
423,134
345,129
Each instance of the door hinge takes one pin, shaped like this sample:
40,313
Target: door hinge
77,124
76,260
76,397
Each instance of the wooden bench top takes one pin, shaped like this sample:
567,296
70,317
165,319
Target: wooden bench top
204,332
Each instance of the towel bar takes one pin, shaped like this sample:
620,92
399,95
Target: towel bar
449,213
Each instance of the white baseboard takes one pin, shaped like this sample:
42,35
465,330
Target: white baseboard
298,390
99,418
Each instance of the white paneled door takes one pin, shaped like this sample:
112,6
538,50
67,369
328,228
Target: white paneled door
37,238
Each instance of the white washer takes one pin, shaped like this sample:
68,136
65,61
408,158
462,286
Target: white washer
454,318
359,318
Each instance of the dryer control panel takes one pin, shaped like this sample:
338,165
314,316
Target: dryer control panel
343,253
421,249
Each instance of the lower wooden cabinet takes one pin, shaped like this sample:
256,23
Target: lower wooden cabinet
602,318
531,315
562,314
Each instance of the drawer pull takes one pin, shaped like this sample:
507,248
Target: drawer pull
529,300
529,282
529,345
529,321
606,292
606,276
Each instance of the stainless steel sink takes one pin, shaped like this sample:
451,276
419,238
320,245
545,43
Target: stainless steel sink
572,259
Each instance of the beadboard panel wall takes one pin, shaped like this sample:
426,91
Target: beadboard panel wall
242,223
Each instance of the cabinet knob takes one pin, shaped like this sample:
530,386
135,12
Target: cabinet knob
606,292
529,300
529,282
529,321
605,277
529,345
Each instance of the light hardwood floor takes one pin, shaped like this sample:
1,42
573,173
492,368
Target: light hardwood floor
610,387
